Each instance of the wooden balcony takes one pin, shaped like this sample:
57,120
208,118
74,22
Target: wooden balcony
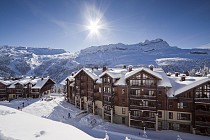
202,123
142,118
152,86
202,112
202,100
182,99
107,102
137,97
142,107
108,93
107,112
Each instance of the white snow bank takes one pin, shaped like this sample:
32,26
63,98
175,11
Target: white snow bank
20,125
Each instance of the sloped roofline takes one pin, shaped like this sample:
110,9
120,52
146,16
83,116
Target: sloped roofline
128,75
91,75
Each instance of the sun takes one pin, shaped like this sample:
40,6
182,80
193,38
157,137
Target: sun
95,23
94,27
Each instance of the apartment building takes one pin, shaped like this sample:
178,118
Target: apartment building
143,97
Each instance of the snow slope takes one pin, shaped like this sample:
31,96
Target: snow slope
58,109
23,126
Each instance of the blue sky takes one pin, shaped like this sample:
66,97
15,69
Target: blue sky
63,23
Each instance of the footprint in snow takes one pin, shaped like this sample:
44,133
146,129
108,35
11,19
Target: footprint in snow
39,134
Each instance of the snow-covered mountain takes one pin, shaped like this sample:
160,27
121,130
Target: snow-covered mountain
58,63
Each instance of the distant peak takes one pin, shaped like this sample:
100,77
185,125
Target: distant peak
153,41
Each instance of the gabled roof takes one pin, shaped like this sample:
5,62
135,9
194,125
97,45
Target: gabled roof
155,74
7,82
70,78
41,82
112,74
88,72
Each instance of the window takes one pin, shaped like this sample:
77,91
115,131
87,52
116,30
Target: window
138,92
107,108
145,103
123,110
138,76
159,93
170,125
170,115
107,89
159,104
182,105
135,113
134,82
159,114
99,89
123,120
183,116
152,114
151,93
170,104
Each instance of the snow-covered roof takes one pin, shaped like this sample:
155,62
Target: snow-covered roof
6,82
179,86
165,82
40,83
70,78
24,81
134,71
121,81
112,74
88,72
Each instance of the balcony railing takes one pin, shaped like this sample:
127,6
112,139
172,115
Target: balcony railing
200,111
108,112
202,123
200,100
107,102
142,118
142,97
132,106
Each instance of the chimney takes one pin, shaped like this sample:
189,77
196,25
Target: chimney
124,66
176,74
168,74
187,73
72,74
104,68
151,67
183,76
130,68
198,74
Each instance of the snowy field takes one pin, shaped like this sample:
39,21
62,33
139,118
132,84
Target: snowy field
22,125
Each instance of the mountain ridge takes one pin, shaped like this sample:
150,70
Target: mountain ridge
58,63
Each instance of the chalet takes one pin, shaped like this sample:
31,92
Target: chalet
3,89
42,86
25,87
143,97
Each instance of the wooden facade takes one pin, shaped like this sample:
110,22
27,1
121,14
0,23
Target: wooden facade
24,88
141,102
142,89
3,91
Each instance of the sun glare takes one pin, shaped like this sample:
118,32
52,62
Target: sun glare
95,23
94,27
